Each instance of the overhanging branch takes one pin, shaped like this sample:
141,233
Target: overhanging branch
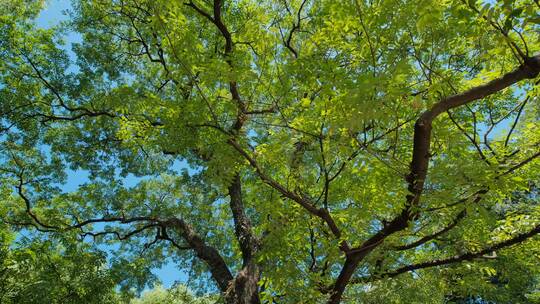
420,162
455,259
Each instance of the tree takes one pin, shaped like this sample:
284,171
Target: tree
44,271
176,295
286,151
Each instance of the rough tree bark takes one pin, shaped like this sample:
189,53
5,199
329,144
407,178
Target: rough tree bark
244,288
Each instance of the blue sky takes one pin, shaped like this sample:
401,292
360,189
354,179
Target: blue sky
53,14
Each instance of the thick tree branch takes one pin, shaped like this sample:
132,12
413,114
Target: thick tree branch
422,129
455,259
242,225
218,268
420,161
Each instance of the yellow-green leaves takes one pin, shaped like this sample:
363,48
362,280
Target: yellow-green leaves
315,107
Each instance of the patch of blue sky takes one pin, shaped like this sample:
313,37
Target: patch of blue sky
53,15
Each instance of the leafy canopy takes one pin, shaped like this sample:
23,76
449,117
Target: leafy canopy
287,151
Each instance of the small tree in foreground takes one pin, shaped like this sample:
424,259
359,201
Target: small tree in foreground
284,151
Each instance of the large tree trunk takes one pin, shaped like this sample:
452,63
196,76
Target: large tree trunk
244,288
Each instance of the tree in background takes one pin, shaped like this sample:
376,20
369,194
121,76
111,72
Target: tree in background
178,294
43,271
51,270
285,151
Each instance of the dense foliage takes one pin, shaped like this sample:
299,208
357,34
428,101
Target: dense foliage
284,151
39,272
176,295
